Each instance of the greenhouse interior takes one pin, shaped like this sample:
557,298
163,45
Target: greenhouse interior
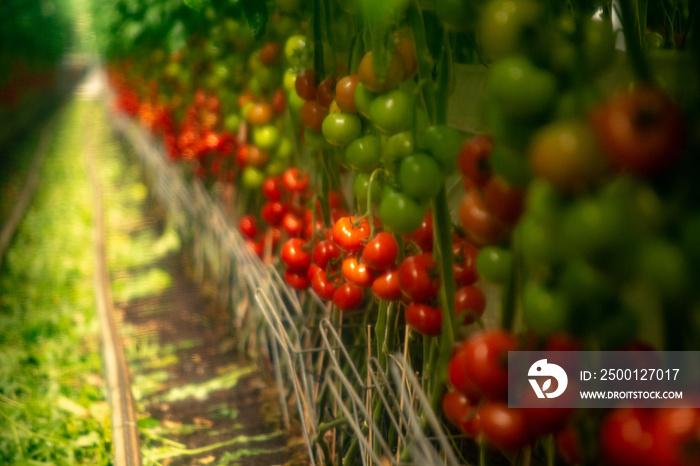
350,232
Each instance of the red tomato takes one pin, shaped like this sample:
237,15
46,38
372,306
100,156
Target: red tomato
279,101
505,202
324,92
465,254
626,438
418,278
474,159
313,114
297,280
348,297
324,252
294,255
423,236
305,84
345,93
469,304
503,427
386,286
478,221
269,53
292,224
273,211
675,432
461,413
381,252
484,358
324,288
248,226
357,273
351,234
642,131
295,180
272,188
256,246
424,319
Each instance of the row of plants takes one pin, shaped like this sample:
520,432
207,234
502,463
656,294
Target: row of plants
573,196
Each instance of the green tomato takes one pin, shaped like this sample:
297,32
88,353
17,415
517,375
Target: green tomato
252,178
543,202
314,140
363,98
506,129
297,52
395,148
538,240
268,77
266,137
276,167
443,143
232,122
494,264
596,51
420,177
340,129
545,311
399,213
459,15
364,153
520,88
284,149
360,188
295,102
585,285
392,112
512,26
510,165
289,80
664,266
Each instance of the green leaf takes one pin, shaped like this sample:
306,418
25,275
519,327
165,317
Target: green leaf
255,13
196,5
177,37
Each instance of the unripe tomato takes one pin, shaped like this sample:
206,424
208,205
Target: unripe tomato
297,52
545,311
511,26
252,178
360,188
266,137
420,177
520,88
405,46
363,98
392,112
443,143
397,147
399,213
368,75
260,113
565,153
340,129
494,264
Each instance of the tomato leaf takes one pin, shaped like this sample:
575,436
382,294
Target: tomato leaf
255,14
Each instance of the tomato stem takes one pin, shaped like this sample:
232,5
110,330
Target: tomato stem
633,39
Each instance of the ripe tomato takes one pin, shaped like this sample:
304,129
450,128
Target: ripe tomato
474,157
505,202
349,235
626,438
292,225
270,53
257,157
483,359
279,101
313,115
248,226
348,297
641,131
357,273
272,188
273,212
418,278
424,319
381,252
478,221
305,84
386,286
465,254
260,114
297,280
257,247
455,406
470,304
324,252
368,76
345,93
423,235
504,427
295,180
294,255
324,92
675,437
324,288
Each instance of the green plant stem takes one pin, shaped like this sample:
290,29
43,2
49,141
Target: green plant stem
633,39
380,332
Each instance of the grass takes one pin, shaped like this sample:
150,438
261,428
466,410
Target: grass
52,397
